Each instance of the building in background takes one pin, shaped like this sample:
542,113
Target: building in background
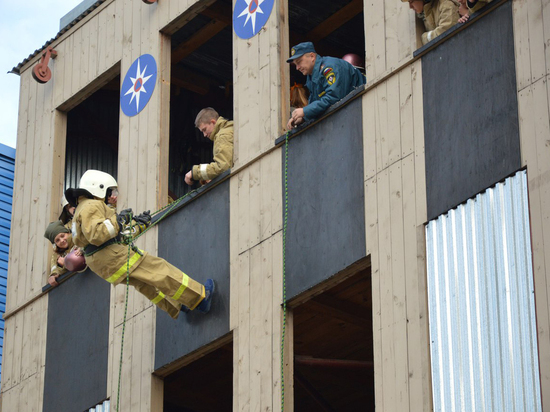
406,230
7,166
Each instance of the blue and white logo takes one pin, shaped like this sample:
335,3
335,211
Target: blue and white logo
250,16
138,85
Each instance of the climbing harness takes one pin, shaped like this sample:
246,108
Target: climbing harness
284,279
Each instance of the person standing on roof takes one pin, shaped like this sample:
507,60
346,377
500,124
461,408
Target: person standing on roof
329,80
96,228
220,131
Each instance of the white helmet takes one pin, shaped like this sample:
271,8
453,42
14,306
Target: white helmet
96,182
93,183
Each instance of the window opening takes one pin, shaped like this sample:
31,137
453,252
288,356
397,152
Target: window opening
205,385
333,348
92,134
201,76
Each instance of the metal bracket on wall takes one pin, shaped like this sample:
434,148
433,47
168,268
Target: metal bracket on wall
41,72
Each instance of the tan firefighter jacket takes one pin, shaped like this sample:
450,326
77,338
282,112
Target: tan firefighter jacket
439,16
55,269
222,136
95,223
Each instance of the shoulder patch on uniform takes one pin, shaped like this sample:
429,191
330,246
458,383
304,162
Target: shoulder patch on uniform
330,76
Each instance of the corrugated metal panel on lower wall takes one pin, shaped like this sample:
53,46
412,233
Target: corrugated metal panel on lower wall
104,407
481,304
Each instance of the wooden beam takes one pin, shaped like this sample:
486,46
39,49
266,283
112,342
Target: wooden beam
335,21
190,80
196,40
333,363
219,11
341,310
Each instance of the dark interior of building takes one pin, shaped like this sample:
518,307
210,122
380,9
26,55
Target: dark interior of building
201,76
92,134
333,353
205,385
335,28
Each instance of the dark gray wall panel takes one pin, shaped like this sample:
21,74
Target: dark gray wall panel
326,219
196,240
470,111
77,344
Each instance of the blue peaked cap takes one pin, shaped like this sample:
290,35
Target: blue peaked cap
301,49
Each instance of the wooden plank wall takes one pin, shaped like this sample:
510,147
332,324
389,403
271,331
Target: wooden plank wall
102,45
395,207
531,37
256,216
390,36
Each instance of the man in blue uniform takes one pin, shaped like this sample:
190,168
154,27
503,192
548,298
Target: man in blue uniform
328,79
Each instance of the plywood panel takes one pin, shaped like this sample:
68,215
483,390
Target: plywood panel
76,69
534,123
388,365
536,40
242,355
85,54
93,51
375,38
16,235
399,323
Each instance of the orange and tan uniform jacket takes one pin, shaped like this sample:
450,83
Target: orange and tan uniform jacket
439,16
55,269
222,136
95,223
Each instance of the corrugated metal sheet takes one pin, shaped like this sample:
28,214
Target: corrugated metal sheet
481,304
104,407
7,166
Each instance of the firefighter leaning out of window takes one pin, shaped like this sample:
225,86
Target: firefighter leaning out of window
329,80
220,131
96,228
438,15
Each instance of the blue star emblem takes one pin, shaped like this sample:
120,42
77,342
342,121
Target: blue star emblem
134,94
249,16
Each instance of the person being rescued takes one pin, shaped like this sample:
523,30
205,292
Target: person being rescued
62,242
97,229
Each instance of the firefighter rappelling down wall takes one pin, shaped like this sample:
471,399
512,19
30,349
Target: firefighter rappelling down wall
107,241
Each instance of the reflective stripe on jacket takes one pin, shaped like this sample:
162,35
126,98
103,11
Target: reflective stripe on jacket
95,223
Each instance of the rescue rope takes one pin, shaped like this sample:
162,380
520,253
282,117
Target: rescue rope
124,323
284,279
130,248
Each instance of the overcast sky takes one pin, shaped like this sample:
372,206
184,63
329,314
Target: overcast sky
25,26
